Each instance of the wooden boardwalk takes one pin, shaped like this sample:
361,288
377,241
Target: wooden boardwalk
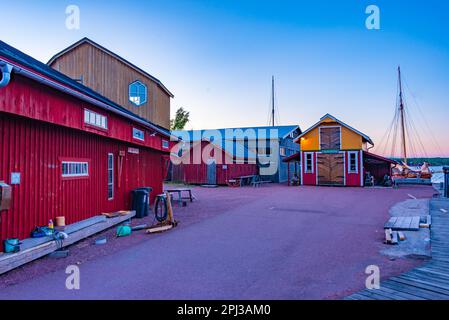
427,282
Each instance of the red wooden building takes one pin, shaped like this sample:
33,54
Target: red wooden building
216,168
65,150
336,154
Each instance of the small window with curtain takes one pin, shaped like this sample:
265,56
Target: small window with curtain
309,163
353,162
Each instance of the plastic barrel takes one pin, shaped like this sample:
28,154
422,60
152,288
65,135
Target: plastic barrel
141,201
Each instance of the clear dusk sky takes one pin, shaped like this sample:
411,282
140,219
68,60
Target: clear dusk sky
218,57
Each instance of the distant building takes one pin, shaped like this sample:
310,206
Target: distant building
255,145
218,167
335,154
116,79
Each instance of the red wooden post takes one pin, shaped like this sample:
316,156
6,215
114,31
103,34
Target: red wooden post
288,173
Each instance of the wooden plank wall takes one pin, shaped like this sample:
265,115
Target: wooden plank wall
111,78
34,149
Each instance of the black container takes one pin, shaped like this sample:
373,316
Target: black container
141,201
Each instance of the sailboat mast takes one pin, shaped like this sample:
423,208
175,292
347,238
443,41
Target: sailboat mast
272,100
402,117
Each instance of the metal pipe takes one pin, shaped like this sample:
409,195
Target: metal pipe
446,182
5,69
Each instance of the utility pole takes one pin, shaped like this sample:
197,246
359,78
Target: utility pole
272,100
402,115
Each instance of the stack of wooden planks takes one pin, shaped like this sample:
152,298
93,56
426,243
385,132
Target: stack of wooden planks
32,249
403,223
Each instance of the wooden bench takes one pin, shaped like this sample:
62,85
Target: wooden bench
244,180
257,181
180,196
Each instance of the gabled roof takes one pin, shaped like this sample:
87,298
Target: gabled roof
25,61
364,136
282,131
109,52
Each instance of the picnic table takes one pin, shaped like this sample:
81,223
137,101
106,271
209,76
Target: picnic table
179,192
254,180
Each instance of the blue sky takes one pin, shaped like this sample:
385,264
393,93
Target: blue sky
217,57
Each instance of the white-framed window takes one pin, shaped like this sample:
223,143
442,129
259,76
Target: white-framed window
165,144
110,176
74,169
353,163
95,119
282,151
308,162
138,134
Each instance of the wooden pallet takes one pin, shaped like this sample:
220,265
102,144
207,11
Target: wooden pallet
403,223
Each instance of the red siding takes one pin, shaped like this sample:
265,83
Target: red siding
34,149
31,99
353,179
197,173
308,178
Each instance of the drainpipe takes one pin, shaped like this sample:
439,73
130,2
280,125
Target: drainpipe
6,74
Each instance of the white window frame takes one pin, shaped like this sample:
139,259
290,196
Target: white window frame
356,155
83,164
95,119
135,130
306,154
319,136
165,144
110,169
283,151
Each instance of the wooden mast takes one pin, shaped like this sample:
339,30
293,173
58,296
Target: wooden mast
402,117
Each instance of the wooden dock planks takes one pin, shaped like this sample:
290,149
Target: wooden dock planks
427,282
403,223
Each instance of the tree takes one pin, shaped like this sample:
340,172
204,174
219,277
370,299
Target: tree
180,120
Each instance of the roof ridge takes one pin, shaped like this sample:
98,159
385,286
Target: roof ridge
37,66
111,53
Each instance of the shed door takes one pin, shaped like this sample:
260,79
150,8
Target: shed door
212,173
331,169
330,138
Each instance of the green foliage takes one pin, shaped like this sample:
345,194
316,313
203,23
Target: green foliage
181,119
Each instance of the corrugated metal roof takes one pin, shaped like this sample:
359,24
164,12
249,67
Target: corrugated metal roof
29,62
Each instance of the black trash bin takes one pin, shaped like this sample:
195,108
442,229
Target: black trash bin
141,201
